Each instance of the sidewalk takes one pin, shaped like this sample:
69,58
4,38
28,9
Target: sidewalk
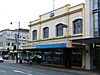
84,72
9,61
80,71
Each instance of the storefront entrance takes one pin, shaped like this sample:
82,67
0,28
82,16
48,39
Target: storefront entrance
72,57
77,57
97,62
67,57
64,57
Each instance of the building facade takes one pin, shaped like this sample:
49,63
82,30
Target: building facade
91,52
51,36
8,42
92,16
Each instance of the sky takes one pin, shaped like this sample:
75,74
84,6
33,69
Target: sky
24,11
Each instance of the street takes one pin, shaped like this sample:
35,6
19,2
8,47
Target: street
26,69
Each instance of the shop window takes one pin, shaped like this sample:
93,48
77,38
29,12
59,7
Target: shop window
52,58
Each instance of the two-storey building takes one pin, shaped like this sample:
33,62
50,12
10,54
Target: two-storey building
51,36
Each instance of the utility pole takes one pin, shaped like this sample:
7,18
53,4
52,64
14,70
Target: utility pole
17,39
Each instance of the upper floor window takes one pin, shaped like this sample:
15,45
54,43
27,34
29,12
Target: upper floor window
12,44
59,29
77,26
95,4
8,35
1,44
46,32
34,35
8,44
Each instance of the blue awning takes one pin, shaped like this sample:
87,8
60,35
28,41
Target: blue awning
57,45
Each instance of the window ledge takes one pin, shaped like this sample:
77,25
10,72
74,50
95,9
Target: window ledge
77,34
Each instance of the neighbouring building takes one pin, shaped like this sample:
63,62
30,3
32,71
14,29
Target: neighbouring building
8,42
91,52
51,37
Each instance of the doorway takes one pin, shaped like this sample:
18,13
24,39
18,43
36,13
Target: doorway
67,57
77,57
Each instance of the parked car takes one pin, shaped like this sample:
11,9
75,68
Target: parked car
1,59
36,58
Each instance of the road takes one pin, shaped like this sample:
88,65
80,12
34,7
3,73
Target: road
26,69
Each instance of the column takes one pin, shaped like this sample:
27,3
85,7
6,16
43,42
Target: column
83,58
27,55
89,56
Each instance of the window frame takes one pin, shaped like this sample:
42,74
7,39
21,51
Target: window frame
34,35
77,26
59,29
46,32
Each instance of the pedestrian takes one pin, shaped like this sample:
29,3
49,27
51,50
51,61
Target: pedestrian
30,62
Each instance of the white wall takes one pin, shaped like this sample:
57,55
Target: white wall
89,18
36,27
51,22
8,36
56,12
52,26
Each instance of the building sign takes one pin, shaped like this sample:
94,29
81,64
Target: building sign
57,45
51,14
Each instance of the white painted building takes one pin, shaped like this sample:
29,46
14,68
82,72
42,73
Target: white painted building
8,41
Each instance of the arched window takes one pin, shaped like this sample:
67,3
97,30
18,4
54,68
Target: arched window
77,26
59,29
34,34
46,32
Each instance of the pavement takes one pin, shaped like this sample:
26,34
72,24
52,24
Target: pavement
84,72
9,61
80,71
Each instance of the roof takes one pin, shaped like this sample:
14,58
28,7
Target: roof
22,30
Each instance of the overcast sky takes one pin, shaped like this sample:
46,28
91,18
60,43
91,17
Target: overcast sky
27,10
